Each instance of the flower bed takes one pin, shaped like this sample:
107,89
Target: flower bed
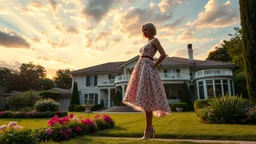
58,129
31,114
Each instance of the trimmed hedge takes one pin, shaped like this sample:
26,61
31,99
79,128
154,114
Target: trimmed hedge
199,104
46,105
97,107
49,94
71,107
179,105
31,114
79,108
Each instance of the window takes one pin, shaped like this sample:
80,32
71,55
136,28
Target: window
93,97
210,90
218,91
231,88
201,90
91,81
225,87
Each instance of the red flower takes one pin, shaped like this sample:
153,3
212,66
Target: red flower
71,115
78,129
87,122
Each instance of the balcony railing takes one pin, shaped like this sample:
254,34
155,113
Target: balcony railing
213,72
106,82
164,76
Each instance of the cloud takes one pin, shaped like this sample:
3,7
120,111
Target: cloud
33,9
130,52
14,65
164,5
65,29
188,35
4,11
216,15
44,58
55,6
97,9
59,44
132,20
36,40
12,39
72,1
184,52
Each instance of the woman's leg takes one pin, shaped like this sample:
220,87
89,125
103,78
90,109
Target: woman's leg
149,117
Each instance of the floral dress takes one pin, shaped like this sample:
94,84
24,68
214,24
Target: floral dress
145,90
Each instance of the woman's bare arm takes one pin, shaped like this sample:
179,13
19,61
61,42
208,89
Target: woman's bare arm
158,46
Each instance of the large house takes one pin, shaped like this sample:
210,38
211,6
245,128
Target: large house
204,78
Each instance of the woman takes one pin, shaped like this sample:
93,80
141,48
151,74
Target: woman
145,91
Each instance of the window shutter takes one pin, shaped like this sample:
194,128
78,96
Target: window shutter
85,98
109,76
165,71
95,80
87,80
177,70
96,98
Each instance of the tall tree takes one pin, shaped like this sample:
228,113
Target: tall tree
46,84
62,79
75,95
220,54
4,73
248,22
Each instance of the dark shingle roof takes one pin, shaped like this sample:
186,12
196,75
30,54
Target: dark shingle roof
169,61
102,68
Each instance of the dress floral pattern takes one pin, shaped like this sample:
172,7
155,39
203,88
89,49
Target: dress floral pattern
145,90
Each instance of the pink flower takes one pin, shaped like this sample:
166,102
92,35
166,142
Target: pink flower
17,127
69,130
71,115
3,127
96,117
48,131
78,129
1,113
87,122
107,118
75,118
12,123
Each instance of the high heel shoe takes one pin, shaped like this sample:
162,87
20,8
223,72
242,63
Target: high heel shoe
149,134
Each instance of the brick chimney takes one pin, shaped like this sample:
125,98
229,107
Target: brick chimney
190,52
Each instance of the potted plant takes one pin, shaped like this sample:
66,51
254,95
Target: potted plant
179,106
88,105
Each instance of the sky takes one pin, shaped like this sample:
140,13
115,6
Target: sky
75,34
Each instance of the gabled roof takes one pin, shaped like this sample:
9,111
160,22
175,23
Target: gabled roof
167,62
102,68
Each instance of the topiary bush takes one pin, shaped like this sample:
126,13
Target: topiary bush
225,109
199,104
179,105
79,108
97,107
71,107
50,94
46,105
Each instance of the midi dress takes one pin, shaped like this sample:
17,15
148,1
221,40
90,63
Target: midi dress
145,91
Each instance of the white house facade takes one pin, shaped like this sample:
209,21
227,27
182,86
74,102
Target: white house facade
204,78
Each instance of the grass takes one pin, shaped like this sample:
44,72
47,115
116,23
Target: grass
96,140
185,125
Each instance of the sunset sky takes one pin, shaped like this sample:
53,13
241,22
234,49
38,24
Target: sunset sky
75,34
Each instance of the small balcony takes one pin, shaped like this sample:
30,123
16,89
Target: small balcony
213,72
109,82
122,78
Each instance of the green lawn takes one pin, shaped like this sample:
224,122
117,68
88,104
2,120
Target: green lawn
95,140
178,125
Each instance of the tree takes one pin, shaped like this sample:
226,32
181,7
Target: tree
220,54
248,22
28,77
46,84
75,95
4,73
62,79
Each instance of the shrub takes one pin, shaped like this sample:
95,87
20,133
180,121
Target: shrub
49,94
71,107
97,107
31,114
19,101
198,104
14,136
179,105
79,108
118,98
225,109
47,105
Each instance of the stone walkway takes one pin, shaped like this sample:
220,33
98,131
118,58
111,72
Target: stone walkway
187,140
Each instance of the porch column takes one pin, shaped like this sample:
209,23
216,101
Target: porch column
122,92
109,97
197,89
99,97
205,90
222,88
214,89
233,87
124,71
229,89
